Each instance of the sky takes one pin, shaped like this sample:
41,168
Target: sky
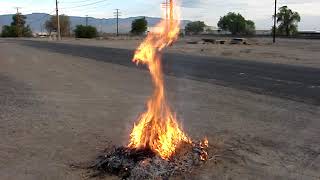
209,11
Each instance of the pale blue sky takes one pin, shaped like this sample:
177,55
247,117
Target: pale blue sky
207,10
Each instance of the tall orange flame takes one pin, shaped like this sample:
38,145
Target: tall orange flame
157,128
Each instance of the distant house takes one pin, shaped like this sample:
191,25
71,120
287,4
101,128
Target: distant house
42,34
208,30
223,32
154,29
263,32
214,31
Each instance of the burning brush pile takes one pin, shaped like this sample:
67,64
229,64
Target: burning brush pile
158,146
144,163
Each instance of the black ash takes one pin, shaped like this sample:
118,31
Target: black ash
128,163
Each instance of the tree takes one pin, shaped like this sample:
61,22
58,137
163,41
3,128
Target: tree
250,27
139,26
236,24
17,27
86,31
288,20
9,31
18,20
195,27
51,25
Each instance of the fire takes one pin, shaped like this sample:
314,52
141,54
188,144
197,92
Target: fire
204,144
158,128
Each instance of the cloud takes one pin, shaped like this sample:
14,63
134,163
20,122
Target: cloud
193,3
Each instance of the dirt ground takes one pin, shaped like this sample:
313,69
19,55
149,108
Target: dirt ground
56,110
300,52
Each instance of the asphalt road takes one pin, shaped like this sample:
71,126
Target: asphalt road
291,82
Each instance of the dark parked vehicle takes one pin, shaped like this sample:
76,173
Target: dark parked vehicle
238,41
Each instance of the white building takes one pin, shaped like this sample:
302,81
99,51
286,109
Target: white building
263,32
215,31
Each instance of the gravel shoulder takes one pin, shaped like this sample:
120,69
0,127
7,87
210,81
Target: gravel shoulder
56,110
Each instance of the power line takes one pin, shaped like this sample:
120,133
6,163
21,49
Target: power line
84,5
93,10
78,6
5,12
90,9
36,10
41,18
73,2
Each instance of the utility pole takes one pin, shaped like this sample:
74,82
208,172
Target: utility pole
17,8
117,14
100,27
58,21
18,22
171,13
275,21
166,6
86,20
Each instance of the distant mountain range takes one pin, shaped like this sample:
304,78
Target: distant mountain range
37,20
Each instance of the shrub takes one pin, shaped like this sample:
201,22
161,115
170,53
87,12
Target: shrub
139,26
85,31
195,27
